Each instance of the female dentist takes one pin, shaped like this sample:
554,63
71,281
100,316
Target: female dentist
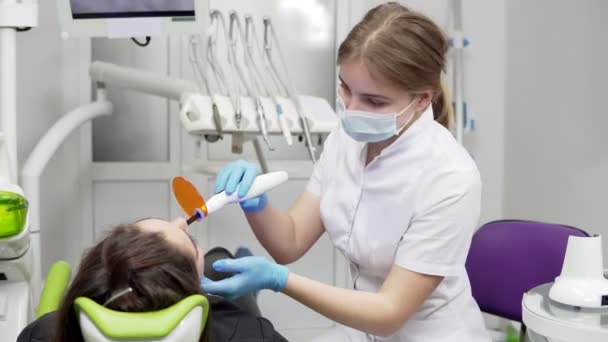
397,195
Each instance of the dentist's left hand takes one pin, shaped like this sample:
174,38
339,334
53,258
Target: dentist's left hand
240,175
250,274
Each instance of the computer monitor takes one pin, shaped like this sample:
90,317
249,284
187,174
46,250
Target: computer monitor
131,18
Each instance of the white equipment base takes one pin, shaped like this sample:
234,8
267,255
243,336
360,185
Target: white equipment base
14,309
562,323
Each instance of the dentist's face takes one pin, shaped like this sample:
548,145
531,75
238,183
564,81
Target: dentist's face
177,233
363,90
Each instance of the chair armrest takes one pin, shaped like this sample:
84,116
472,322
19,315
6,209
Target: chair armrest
55,286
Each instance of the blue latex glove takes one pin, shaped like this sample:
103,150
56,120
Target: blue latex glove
250,274
241,174
255,205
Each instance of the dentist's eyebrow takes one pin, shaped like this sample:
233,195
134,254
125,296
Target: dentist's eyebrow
342,81
376,96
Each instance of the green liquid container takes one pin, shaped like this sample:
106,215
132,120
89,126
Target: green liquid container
13,214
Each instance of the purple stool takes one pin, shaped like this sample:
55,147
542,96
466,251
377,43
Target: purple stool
508,258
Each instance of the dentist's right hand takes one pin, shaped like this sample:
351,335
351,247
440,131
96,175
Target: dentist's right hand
250,274
241,174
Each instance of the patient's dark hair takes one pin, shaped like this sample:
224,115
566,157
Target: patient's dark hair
159,273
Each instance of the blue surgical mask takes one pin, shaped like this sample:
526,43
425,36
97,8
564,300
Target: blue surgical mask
370,127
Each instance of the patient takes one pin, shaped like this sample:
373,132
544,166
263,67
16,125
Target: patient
146,266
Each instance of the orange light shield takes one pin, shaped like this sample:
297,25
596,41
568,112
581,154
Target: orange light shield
188,196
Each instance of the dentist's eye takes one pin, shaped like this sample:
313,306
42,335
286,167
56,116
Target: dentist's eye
375,103
343,89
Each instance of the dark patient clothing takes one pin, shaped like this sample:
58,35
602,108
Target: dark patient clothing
237,320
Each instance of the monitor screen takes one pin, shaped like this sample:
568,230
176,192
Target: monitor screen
98,9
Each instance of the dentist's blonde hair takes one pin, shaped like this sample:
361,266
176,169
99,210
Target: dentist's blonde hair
404,47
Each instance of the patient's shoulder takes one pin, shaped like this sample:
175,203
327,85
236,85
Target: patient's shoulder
39,330
228,322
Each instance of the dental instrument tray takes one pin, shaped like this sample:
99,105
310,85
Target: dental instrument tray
196,114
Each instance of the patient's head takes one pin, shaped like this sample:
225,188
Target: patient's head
156,259
175,232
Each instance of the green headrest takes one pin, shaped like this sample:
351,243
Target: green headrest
137,325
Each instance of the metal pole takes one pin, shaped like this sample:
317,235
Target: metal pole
260,154
8,93
458,45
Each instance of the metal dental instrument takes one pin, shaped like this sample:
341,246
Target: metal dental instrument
201,80
236,95
236,29
251,38
254,71
286,83
217,70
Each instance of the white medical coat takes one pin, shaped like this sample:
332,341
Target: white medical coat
416,205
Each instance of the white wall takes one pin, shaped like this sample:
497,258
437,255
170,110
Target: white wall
557,145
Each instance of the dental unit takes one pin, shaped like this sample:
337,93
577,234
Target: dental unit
235,31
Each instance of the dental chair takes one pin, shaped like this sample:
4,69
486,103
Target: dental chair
509,257
182,322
